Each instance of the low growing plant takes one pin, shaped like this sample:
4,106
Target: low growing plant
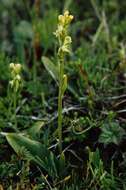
15,85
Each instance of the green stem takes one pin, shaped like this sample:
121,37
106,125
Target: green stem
15,106
60,96
10,103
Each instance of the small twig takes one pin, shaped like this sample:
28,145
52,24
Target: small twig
45,179
69,150
95,7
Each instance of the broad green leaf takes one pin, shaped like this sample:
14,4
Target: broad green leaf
51,68
34,130
34,147
53,71
37,152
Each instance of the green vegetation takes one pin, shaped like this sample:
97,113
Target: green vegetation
62,95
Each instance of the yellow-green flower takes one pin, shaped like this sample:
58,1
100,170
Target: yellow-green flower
62,33
15,74
66,46
65,19
63,23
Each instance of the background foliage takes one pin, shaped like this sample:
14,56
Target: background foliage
94,114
